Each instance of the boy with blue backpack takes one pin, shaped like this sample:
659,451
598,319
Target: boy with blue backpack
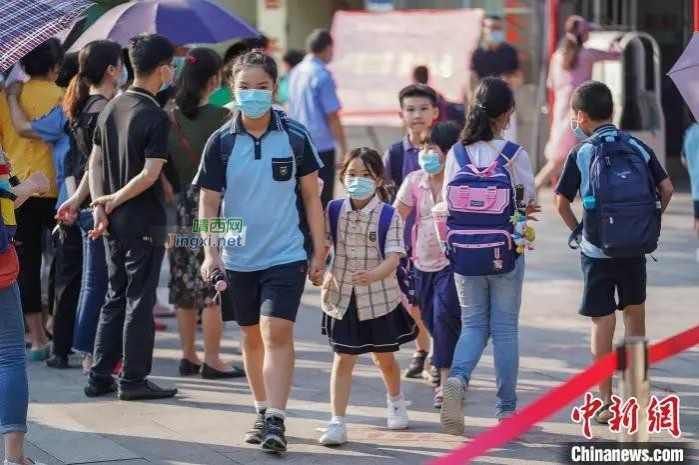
624,190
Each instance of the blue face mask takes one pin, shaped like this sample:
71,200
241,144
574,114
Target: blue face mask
579,133
429,161
166,84
254,103
496,37
360,188
123,77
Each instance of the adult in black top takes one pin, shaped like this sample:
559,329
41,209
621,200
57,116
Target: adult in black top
494,57
101,73
130,149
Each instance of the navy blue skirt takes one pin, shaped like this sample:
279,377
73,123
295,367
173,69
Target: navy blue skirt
384,334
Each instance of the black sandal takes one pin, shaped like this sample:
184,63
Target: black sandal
417,365
602,409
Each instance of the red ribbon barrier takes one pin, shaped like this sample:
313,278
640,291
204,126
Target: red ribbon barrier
559,397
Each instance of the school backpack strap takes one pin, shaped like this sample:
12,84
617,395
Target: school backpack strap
461,155
298,135
509,152
385,218
396,155
334,209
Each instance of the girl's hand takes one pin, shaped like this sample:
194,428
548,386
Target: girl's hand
533,207
363,278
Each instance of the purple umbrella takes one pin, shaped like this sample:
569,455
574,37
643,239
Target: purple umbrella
685,74
24,24
181,21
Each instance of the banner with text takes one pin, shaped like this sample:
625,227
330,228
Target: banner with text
375,54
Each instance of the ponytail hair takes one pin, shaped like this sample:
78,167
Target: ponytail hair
576,27
93,61
492,98
373,162
201,64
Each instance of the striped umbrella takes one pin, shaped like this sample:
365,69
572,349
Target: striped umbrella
24,24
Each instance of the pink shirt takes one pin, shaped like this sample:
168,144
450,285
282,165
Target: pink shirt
415,192
563,82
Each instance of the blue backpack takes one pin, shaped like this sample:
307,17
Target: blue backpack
403,274
480,203
623,220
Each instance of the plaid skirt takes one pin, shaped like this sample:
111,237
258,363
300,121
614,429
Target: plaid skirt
384,334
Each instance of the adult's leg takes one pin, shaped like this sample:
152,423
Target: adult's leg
327,174
14,396
94,290
68,263
29,246
187,328
212,324
505,302
143,262
109,339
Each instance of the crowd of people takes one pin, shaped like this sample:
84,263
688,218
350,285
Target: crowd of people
421,248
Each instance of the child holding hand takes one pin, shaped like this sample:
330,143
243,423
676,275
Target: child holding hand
360,297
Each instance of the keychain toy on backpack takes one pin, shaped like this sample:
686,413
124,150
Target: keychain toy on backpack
524,235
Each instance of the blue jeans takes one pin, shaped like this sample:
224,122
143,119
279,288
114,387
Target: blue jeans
490,307
94,287
14,392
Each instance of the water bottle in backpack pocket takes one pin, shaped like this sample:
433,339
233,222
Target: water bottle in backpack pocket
480,205
625,220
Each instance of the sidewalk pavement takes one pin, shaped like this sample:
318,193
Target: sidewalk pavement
205,423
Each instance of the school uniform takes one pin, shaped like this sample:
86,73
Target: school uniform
606,276
259,178
435,290
364,319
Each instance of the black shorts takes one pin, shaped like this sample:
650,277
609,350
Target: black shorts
274,292
609,278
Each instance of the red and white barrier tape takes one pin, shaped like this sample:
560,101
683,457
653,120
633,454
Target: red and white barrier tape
559,397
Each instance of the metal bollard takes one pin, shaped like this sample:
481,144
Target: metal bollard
634,382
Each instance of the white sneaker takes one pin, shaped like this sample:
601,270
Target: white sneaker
397,417
452,413
334,435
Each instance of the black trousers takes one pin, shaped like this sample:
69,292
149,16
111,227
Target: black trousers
33,218
126,322
327,174
67,277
